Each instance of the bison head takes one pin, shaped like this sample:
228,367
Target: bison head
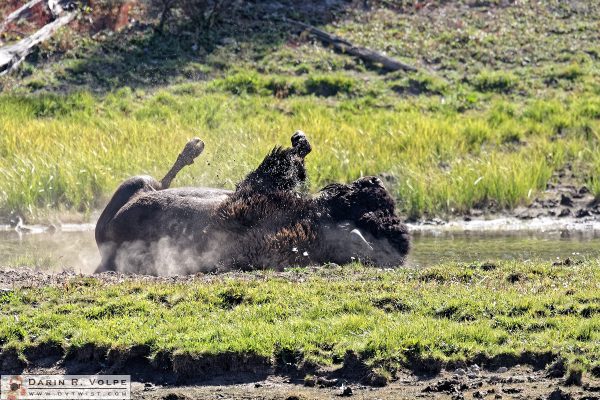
363,212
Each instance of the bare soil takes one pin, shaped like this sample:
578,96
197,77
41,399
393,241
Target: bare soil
520,382
25,277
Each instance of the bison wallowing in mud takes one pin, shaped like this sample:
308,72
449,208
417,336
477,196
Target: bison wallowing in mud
265,223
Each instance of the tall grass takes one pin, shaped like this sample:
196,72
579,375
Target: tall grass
72,151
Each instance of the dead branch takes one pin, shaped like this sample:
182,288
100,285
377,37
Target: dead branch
13,55
344,46
19,13
55,7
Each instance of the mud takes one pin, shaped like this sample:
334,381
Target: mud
244,377
561,201
26,277
517,383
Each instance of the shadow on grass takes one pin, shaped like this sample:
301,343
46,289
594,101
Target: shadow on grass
141,57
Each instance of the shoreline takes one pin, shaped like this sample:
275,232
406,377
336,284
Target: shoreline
505,224
510,225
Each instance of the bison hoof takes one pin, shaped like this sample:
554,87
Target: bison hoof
300,143
192,149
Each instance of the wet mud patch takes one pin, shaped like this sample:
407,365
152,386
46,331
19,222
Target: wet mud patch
353,369
11,362
45,354
191,367
536,360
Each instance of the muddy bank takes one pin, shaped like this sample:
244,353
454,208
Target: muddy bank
515,383
589,226
562,207
238,376
26,277
171,374
163,372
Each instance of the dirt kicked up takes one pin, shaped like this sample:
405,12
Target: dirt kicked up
485,330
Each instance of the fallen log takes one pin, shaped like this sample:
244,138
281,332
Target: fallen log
55,7
344,46
12,56
19,13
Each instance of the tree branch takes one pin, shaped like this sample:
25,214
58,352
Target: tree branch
55,8
19,13
12,56
344,46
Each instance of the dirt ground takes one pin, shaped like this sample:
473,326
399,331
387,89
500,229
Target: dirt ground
519,382
471,383
26,277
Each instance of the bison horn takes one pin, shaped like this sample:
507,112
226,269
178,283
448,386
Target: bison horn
360,240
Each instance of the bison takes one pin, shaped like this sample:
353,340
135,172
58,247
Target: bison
266,222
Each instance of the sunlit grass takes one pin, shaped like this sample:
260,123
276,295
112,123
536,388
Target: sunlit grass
72,151
448,312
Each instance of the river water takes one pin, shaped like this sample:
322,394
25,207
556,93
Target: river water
74,247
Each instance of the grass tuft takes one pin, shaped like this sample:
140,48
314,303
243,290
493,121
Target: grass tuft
495,81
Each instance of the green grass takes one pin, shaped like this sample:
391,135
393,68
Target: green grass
495,81
71,151
391,319
492,114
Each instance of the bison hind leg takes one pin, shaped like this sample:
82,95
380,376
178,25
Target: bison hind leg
193,148
125,192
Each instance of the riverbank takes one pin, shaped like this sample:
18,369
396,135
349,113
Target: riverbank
323,326
307,320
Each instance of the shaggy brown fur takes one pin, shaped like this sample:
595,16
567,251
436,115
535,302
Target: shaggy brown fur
280,221
281,170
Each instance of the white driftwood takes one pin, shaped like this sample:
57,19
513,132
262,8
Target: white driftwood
55,7
19,13
344,46
13,55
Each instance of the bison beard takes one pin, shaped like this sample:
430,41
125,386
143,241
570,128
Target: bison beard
265,223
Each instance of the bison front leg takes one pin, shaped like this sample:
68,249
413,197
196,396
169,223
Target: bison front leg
281,170
192,149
